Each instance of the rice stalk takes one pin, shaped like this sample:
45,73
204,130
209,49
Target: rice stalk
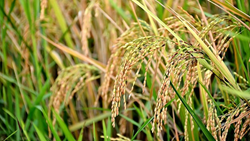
181,64
69,82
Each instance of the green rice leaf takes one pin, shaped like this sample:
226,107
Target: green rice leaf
40,134
192,113
65,129
142,127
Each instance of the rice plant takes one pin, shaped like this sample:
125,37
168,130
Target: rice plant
124,70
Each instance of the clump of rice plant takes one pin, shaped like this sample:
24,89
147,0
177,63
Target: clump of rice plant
181,59
118,51
154,70
69,82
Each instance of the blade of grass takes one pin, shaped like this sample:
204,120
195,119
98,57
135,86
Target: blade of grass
130,120
40,134
17,113
9,113
206,22
109,129
192,113
231,15
166,12
81,135
62,22
119,10
238,54
143,115
55,57
209,94
21,125
94,133
149,83
45,87
157,19
148,121
110,19
89,121
21,91
175,128
76,54
26,6
6,139
142,127
233,9
152,23
138,110
51,127
12,80
202,92
15,28
104,131
133,9
245,94
63,126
